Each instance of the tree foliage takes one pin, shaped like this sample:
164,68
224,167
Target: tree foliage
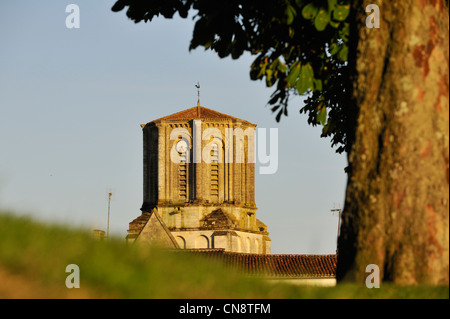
300,48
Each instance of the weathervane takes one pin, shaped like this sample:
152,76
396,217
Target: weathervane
198,92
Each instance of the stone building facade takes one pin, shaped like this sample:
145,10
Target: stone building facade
199,192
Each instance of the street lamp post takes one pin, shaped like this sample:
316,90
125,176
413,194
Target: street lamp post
338,210
109,209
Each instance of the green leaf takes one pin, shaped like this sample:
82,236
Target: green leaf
344,32
321,20
334,24
309,11
272,73
282,67
274,64
293,73
334,48
262,70
340,13
291,33
343,53
317,84
305,80
290,14
269,73
322,115
325,129
331,4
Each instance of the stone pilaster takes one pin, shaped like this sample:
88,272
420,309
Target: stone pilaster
161,162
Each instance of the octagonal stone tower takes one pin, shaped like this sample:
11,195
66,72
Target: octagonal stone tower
199,192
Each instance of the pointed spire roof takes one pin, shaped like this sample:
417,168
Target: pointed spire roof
199,112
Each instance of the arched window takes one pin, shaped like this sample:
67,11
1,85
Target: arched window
202,242
249,220
239,245
248,245
181,242
257,246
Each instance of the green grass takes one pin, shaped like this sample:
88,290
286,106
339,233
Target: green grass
38,254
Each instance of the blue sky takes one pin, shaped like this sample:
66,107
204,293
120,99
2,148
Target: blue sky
72,100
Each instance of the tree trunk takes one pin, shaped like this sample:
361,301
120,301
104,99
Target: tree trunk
396,211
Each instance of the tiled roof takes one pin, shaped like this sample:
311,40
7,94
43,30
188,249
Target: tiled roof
291,266
198,112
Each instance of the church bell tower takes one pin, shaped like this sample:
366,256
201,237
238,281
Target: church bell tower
199,176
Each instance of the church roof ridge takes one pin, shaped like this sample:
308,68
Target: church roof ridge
199,112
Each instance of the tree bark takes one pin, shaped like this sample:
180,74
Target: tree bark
396,212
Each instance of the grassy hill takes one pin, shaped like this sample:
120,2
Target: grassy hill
34,256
